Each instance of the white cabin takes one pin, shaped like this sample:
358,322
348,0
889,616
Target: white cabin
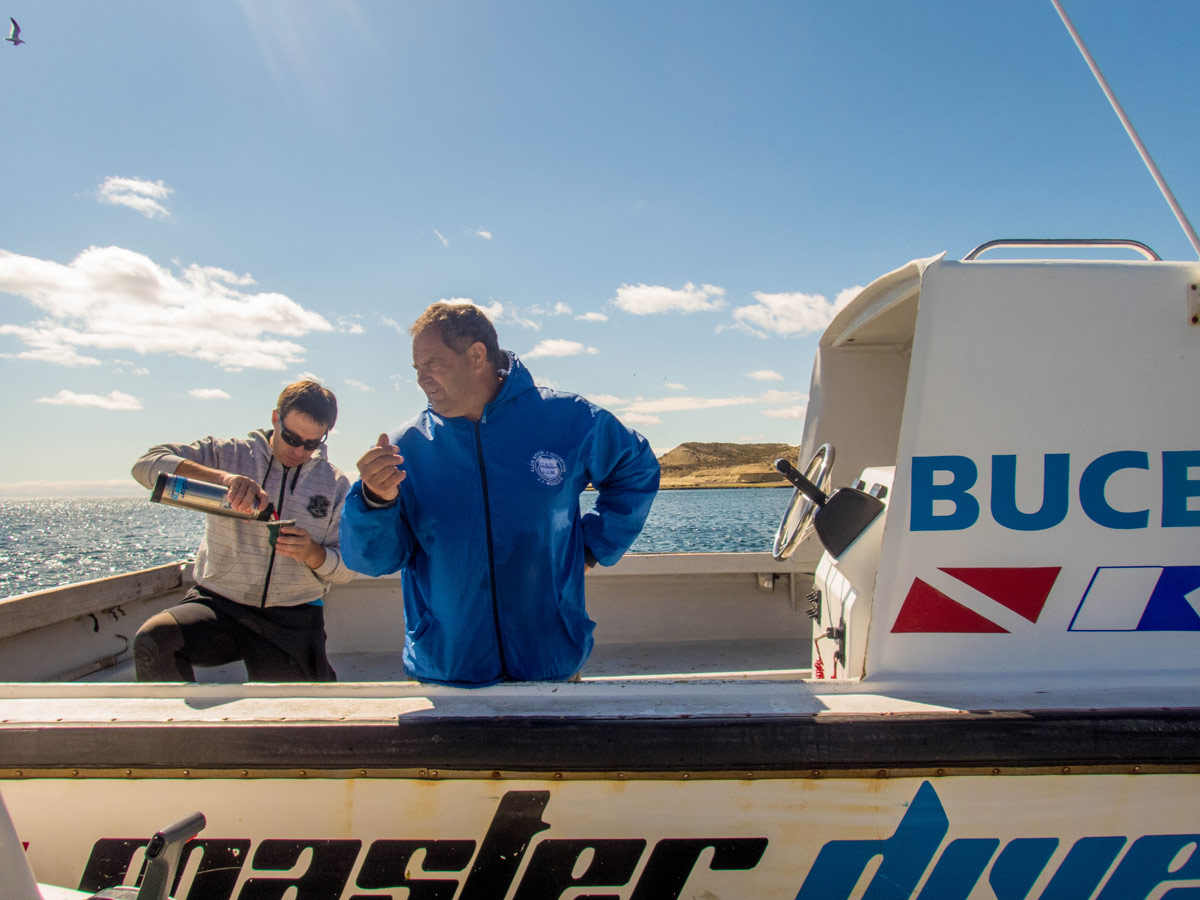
1032,426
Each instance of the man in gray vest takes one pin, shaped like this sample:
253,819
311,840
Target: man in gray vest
254,601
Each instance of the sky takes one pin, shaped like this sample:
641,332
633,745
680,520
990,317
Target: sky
660,203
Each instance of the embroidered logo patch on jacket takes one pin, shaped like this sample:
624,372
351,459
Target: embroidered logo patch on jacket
318,506
549,467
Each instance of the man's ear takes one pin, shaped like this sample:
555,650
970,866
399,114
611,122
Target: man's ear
478,353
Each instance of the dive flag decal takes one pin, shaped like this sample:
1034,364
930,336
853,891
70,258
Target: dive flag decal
1024,591
1021,589
1140,598
928,610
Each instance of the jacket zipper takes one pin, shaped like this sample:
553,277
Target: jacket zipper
487,521
271,561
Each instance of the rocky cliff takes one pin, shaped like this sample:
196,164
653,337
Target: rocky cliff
697,464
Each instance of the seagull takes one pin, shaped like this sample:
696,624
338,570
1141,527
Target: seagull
15,34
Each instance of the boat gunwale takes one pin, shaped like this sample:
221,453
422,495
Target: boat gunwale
559,775
547,743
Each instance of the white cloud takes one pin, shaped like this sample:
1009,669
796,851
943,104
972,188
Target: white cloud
109,298
440,237
209,394
502,314
115,400
305,376
486,235
358,385
392,323
558,347
493,310
592,317
514,317
782,397
785,404
605,399
348,325
499,314
126,365
674,386
790,314
136,193
681,404
47,346
791,412
650,299
764,375
633,418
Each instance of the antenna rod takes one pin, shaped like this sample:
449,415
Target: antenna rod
1131,131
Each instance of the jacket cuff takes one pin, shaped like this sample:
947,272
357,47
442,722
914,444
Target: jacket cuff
373,502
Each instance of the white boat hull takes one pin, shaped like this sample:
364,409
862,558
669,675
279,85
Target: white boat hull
792,836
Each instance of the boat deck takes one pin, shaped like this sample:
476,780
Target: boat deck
744,659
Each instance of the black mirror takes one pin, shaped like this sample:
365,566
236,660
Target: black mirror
841,517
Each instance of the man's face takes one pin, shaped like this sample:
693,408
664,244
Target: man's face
450,380
298,425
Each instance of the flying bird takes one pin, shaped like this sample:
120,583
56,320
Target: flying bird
14,34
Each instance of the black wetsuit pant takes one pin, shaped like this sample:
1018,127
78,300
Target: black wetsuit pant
277,643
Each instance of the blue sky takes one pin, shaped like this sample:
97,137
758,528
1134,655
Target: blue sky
661,203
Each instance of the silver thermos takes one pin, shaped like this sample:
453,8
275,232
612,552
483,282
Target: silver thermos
175,490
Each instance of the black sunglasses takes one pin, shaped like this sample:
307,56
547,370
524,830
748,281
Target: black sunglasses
294,440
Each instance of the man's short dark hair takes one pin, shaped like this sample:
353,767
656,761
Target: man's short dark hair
461,325
314,400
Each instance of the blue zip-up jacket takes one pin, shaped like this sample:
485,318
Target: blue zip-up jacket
488,533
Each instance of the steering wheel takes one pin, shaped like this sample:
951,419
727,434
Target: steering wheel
797,522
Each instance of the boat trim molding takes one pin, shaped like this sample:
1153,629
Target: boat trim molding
434,775
1040,739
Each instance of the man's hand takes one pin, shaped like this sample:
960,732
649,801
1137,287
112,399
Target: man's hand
295,542
245,496
379,472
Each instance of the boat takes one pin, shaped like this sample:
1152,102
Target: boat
966,669
972,672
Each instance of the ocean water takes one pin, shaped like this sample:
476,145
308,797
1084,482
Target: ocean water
45,543
49,542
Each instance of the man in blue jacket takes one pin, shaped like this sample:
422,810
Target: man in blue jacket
477,501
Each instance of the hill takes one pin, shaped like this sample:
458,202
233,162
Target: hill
696,464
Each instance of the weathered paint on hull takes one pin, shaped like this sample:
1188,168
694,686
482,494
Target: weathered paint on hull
1007,836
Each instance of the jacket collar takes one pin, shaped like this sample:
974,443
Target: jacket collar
516,381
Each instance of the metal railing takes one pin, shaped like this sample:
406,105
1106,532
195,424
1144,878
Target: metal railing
1136,246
